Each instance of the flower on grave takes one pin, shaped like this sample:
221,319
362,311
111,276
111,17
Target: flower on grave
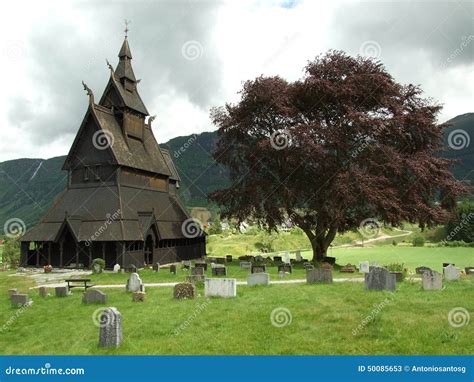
47,268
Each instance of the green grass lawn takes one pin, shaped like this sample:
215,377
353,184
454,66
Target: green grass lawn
323,318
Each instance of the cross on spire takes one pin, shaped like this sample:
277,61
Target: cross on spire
126,27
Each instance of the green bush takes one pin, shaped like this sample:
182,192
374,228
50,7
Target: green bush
418,241
461,226
98,265
397,267
11,252
394,242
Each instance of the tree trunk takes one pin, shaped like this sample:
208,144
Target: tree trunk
319,252
320,241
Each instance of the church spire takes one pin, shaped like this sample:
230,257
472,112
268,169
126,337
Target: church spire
124,68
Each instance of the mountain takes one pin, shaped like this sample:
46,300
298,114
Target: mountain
29,186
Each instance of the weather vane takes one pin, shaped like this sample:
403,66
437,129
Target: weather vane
126,27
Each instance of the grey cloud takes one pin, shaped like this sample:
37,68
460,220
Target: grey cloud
63,56
436,28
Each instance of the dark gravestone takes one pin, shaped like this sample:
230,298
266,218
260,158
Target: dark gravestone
184,291
277,259
62,291
380,279
173,269
285,268
421,270
156,267
201,265
258,259
308,266
258,268
469,270
349,268
330,260
398,276
94,296
220,260
197,271
110,334
19,300
228,258
219,271
318,275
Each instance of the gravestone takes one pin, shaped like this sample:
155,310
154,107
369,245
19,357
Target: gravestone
43,291
258,259
421,270
219,271
277,259
380,279
135,284
199,271
431,280
138,297
220,260
156,267
319,275
184,291
398,276
110,333
12,291
20,299
228,258
173,268
186,264
469,270
298,256
201,265
348,268
193,279
257,268
364,267
94,296
245,265
133,269
282,274
451,273
286,256
258,279
285,268
330,260
62,291
116,268
220,288
97,268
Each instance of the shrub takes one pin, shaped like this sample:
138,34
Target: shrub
397,267
461,226
98,265
418,241
11,252
394,242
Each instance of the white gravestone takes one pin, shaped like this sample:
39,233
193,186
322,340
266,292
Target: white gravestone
451,273
135,284
220,287
116,268
286,255
298,256
364,267
258,279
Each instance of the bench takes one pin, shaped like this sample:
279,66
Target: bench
83,281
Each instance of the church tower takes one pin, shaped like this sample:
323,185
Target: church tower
121,200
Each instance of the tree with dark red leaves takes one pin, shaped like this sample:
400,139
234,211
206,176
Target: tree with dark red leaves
343,146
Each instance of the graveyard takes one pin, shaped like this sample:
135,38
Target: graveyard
308,311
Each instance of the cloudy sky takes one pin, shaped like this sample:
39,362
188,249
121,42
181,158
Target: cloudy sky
192,55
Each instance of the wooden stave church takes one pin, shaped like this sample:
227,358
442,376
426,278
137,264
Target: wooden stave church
120,203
